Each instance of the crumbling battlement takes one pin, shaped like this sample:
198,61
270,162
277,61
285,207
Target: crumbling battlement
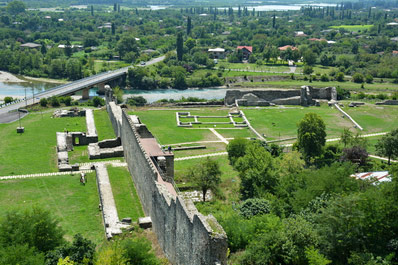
185,235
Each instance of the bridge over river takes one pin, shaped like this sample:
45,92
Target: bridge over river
83,85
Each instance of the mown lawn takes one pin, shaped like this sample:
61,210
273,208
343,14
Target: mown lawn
353,27
282,123
375,118
163,125
127,201
103,125
75,205
34,150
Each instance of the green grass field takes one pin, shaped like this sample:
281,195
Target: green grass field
75,205
34,150
251,66
281,123
103,125
375,118
127,201
353,27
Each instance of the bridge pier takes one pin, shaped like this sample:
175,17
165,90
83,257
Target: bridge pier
85,93
101,88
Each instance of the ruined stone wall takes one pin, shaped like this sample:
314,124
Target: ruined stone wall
185,235
268,95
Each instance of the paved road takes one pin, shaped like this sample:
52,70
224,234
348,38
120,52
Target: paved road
74,86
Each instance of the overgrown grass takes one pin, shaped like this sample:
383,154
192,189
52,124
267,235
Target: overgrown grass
34,150
103,125
75,205
127,201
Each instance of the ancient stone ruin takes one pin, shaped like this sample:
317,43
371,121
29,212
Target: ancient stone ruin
306,96
185,235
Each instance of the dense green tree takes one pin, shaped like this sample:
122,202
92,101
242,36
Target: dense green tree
15,7
311,136
127,44
189,25
388,145
256,171
205,176
179,81
20,255
73,69
41,231
180,48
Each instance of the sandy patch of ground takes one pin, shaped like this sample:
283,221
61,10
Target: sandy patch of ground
10,78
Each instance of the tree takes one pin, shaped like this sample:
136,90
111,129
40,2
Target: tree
346,137
73,69
179,81
180,48
41,231
206,176
309,57
355,154
311,136
190,43
97,101
189,25
358,78
21,255
256,171
137,251
16,7
254,206
388,145
127,44
236,148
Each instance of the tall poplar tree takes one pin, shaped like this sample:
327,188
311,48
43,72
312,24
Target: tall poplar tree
180,48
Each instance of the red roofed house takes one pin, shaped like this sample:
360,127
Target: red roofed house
284,48
246,50
394,53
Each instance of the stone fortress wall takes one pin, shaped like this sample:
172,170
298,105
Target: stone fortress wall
305,96
185,235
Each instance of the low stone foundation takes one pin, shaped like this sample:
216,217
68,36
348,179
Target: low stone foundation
387,102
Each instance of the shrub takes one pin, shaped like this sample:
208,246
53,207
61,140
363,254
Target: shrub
369,78
307,70
254,206
358,78
342,93
97,101
43,102
8,100
381,96
324,78
54,101
340,77
136,101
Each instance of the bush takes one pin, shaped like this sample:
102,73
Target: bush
254,206
358,78
369,78
381,96
8,100
136,101
307,70
340,77
236,148
342,93
43,102
98,101
324,78
54,101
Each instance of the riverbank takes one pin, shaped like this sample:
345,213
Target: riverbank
46,80
7,77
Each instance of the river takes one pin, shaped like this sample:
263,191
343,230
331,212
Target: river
18,90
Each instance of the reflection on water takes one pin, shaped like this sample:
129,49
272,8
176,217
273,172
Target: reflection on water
18,89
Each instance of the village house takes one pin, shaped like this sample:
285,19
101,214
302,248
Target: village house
246,50
31,45
217,53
